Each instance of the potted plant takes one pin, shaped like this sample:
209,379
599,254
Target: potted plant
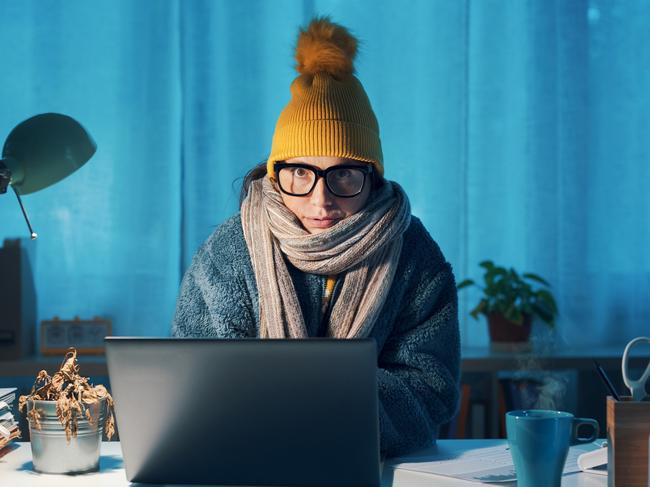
66,416
510,302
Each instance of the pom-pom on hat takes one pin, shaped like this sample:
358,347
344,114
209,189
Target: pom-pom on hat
329,113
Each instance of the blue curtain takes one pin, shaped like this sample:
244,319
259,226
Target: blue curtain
109,234
518,129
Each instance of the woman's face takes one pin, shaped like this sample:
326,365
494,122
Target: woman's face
320,209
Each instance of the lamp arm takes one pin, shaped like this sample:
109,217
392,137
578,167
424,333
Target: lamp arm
5,179
32,234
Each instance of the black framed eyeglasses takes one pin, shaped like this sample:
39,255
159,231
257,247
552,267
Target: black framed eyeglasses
344,181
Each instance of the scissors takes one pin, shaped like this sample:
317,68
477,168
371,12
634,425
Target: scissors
638,386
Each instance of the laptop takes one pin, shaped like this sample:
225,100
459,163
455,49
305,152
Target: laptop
246,412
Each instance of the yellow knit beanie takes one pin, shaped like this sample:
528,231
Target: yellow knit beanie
329,113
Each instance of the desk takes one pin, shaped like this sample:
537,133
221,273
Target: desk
16,471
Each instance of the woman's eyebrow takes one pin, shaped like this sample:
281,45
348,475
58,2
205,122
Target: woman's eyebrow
302,163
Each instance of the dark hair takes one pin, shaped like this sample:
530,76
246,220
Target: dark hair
259,171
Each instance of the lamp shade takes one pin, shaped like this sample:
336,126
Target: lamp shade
45,149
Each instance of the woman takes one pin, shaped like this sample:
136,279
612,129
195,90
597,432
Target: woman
324,246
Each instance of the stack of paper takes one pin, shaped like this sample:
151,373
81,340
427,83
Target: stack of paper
489,464
8,425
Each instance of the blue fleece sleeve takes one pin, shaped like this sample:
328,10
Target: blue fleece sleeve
213,301
419,365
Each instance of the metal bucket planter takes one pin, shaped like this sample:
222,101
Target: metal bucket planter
51,451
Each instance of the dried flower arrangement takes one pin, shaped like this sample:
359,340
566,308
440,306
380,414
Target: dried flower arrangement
73,395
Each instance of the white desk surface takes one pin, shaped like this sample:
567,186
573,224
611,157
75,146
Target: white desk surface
16,471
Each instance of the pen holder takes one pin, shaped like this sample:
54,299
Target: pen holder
628,428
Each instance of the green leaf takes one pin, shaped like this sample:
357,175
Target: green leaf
465,283
535,277
519,317
544,314
487,264
546,297
514,276
492,278
514,315
480,307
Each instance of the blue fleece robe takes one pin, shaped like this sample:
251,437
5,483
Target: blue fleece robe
416,332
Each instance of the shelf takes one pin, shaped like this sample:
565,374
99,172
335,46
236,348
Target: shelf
30,366
474,359
485,359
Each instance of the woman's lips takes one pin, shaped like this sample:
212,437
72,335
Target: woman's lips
322,222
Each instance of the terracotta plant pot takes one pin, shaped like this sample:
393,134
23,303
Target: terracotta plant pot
502,330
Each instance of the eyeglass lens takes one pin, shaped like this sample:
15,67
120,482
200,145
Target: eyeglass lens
341,182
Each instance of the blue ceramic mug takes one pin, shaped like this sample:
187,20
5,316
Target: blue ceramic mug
539,441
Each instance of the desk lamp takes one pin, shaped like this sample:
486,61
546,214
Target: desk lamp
41,151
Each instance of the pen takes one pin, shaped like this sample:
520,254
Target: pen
606,380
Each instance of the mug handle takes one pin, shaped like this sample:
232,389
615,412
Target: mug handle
577,422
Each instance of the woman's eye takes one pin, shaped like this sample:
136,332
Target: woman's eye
300,172
342,174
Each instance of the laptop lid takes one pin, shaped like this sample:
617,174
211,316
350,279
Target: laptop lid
246,412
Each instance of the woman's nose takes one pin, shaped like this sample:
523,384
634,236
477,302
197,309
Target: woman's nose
320,195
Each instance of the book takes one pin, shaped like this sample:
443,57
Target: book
11,435
7,396
8,426
594,461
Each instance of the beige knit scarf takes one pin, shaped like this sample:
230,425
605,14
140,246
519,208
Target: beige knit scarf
363,249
